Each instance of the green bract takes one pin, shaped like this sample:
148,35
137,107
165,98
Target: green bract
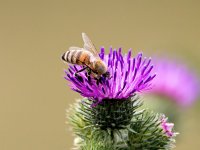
117,125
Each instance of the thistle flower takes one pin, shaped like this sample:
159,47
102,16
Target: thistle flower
176,82
167,127
128,76
115,123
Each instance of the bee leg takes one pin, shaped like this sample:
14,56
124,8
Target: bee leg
98,80
89,78
80,70
88,74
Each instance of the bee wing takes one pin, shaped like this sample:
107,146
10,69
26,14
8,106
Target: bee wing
88,45
75,48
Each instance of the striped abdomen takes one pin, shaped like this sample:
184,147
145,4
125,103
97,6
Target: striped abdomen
80,57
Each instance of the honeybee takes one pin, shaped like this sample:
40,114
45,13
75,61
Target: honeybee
87,57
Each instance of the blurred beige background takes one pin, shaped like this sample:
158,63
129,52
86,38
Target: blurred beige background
33,35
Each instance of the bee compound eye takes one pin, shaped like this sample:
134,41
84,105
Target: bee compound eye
107,73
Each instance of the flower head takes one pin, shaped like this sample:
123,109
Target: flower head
128,76
167,127
176,82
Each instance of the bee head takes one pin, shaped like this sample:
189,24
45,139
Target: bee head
107,75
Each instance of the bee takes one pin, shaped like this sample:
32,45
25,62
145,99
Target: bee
87,57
